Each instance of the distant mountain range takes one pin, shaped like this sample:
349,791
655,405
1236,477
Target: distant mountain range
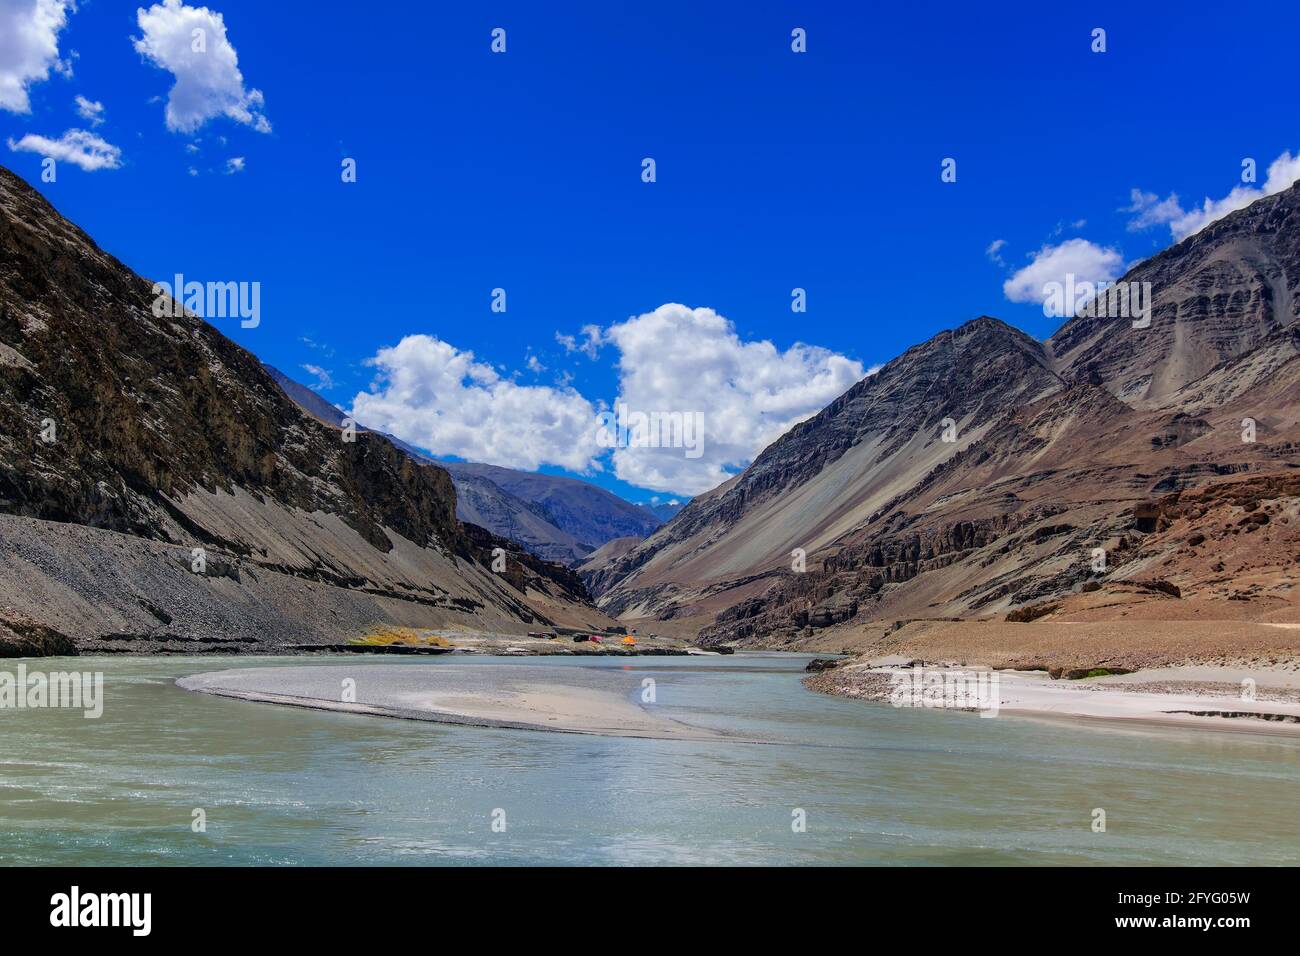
584,513
979,471
554,517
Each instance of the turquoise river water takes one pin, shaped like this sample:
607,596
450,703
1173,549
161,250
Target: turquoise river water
876,785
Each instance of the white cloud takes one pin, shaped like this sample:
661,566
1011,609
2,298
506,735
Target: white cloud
235,164
76,146
994,251
590,344
29,47
90,110
674,359
1151,211
534,364
438,397
1086,261
205,65
323,377
678,359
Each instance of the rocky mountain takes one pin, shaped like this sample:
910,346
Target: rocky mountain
588,514
556,518
1218,295
157,487
830,473
865,512
484,502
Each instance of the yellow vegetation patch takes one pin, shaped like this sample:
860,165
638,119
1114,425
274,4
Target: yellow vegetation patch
406,636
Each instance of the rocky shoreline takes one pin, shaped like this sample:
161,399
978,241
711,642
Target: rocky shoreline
24,637
1235,697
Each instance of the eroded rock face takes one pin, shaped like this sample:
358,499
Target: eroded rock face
851,579
23,637
523,569
145,408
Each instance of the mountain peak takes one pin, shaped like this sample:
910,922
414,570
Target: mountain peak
1214,296
984,321
834,469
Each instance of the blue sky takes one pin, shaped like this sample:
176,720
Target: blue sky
522,171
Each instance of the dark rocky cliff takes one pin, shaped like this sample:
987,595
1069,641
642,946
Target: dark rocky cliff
139,428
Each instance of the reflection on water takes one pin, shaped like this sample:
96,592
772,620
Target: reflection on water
878,785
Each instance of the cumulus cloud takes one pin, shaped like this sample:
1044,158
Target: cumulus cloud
994,251
438,397
29,47
235,164
672,360
90,110
191,43
679,359
76,146
1149,210
1086,261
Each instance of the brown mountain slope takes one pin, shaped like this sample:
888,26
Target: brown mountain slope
127,441
1217,296
829,474
1062,449
1014,520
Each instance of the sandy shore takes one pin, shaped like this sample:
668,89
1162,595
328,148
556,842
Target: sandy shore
584,700
1192,696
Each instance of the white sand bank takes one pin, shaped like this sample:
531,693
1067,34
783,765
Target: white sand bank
568,699
1199,696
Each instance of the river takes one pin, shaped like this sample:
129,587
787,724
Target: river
869,783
